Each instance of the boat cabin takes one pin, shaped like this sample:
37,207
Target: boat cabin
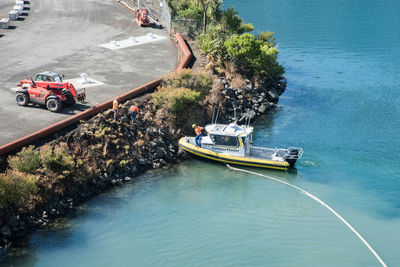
230,139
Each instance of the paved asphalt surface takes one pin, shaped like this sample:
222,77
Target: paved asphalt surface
64,36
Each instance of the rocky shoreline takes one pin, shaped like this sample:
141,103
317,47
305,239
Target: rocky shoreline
114,152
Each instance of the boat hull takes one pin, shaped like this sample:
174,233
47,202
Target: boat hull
246,161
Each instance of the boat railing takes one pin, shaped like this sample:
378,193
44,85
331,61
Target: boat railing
262,152
294,153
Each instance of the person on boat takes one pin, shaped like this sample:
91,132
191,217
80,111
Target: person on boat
132,111
198,130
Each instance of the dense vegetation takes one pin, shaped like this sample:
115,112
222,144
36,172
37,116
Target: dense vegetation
181,91
227,40
21,184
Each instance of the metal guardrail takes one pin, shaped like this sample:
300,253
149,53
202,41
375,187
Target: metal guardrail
96,109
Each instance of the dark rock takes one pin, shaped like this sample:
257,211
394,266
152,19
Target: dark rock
160,153
262,108
125,119
156,165
142,162
152,144
134,170
272,95
6,231
13,223
111,169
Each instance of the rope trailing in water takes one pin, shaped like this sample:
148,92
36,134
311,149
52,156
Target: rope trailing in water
320,202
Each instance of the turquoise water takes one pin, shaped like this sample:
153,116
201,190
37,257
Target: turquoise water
341,106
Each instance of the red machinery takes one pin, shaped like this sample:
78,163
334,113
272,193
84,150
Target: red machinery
142,16
48,90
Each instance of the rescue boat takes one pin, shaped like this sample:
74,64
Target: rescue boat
232,143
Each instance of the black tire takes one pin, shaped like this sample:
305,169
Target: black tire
70,99
54,105
22,99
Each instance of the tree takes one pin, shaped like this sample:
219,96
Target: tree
205,4
254,55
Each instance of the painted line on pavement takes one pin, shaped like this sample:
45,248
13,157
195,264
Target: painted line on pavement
133,41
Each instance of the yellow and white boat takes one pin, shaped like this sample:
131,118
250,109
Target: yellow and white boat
233,144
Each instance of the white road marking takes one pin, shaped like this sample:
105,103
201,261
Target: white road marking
144,39
79,83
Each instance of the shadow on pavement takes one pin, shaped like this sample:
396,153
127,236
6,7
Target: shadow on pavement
77,107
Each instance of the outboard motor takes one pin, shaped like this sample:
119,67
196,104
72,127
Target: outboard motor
293,154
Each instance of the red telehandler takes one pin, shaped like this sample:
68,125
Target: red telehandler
48,90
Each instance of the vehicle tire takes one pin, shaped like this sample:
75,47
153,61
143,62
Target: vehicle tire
54,105
22,99
70,99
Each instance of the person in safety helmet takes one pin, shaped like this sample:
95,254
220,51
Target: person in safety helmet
198,130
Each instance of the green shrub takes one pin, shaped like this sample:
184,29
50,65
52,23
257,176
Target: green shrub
17,189
197,81
254,55
192,11
175,99
182,91
57,160
27,160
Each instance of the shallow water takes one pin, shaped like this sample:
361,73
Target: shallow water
341,106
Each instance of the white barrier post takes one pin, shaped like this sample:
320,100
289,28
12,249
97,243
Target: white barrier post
4,23
115,43
84,77
19,3
13,15
19,9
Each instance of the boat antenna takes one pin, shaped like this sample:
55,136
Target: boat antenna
248,119
216,117
212,120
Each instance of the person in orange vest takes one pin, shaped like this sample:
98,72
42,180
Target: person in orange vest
199,134
115,106
132,111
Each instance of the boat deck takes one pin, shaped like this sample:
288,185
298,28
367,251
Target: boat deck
255,152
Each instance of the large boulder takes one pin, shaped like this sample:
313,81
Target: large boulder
6,231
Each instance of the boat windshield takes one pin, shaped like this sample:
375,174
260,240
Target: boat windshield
224,140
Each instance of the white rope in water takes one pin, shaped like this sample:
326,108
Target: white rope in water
323,204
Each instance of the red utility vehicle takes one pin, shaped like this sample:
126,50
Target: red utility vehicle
142,16
48,90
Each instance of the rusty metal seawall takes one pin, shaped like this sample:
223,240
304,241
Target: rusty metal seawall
187,55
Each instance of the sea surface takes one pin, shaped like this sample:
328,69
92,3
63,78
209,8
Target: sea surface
342,106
